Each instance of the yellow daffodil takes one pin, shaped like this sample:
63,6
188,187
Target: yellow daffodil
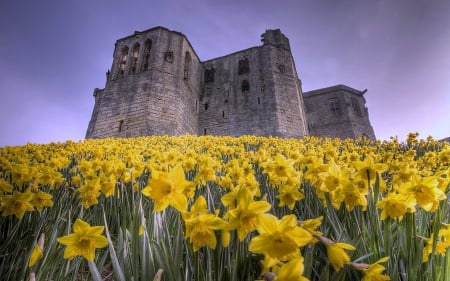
368,169
291,271
245,216
37,252
83,241
279,239
372,272
200,225
396,206
42,199
336,252
289,195
17,204
168,189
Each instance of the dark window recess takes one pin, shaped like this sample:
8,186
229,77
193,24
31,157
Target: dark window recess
335,107
123,60
204,132
356,108
243,66
223,114
147,48
226,101
187,65
259,100
282,68
209,75
120,125
245,86
206,105
135,56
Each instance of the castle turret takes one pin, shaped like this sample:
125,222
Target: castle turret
152,88
338,112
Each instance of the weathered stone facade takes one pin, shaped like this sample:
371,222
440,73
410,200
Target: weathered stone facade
157,85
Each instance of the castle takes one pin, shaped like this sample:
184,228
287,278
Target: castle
157,85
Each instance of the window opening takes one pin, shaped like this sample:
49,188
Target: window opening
335,107
123,60
187,65
120,125
223,114
204,131
243,66
209,75
245,86
134,57
147,48
259,100
206,105
356,108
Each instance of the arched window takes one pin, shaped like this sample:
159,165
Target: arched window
146,60
187,65
134,57
243,66
123,60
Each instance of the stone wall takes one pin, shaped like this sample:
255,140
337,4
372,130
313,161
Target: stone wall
155,94
157,85
337,111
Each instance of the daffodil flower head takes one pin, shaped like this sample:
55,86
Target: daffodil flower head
83,241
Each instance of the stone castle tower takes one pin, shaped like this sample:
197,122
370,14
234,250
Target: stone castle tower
157,85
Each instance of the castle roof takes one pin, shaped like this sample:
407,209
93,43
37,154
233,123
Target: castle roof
336,88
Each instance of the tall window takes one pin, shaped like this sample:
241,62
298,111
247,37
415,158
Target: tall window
245,86
123,60
335,107
134,57
356,108
187,65
209,75
146,60
243,66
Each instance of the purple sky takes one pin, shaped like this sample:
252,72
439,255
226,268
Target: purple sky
53,54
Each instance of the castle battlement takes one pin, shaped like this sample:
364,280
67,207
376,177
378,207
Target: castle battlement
157,85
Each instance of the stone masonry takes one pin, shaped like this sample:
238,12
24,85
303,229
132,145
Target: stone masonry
157,85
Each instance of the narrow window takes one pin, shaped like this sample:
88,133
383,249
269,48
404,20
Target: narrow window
146,60
209,75
204,131
120,125
134,57
335,107
245,86
282,68
356,108
187,65
243,66
206,105
123,60
259,100
223,114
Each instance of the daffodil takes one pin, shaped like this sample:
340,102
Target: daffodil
372,272
336,252
289,195
279,239
37,252
245,216
396,206
167,188
83,241
291,271
17,204
200,225
42,199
